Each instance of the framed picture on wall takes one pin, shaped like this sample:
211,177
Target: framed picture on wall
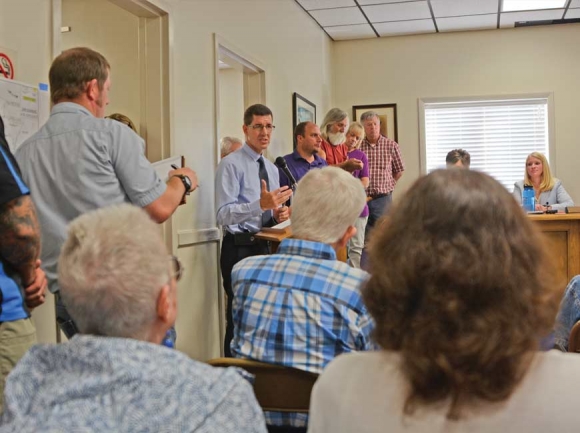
387,114
302,110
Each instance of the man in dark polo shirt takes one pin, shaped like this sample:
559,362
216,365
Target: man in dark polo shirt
308,139
22,282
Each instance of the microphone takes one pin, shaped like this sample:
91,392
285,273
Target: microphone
281,164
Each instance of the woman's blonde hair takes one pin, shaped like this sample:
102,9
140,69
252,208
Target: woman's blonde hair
547,182
123,119
356,126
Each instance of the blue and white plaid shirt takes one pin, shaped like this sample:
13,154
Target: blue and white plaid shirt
300,308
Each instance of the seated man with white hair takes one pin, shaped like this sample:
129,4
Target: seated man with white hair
301,307
120,286
229,145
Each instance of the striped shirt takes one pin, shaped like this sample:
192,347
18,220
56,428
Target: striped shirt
299,308
385,162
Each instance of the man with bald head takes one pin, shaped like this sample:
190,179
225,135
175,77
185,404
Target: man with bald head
305,157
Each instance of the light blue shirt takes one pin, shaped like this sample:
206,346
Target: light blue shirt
102,384
238,189
77,163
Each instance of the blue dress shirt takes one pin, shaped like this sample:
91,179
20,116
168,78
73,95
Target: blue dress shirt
238,189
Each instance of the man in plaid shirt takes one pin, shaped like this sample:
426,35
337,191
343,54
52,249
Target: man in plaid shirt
301,307
385,167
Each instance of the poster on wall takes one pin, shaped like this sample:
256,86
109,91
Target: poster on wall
24,108
387,115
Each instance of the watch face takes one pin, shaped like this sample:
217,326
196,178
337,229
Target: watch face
187,182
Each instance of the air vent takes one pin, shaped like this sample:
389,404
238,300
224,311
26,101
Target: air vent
546,22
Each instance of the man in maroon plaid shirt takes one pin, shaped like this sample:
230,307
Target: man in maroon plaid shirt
385,167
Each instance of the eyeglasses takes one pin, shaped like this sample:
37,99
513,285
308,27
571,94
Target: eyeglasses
177,268
259,127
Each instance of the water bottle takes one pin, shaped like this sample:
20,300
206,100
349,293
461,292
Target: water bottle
528,198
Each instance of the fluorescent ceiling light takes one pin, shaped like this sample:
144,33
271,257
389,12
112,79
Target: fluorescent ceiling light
527,5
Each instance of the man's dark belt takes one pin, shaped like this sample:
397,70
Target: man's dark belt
245,238
372,197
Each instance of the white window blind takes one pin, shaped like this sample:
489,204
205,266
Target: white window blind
498,134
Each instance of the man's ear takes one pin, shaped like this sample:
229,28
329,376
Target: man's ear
245,129
164,306
349,233
93,90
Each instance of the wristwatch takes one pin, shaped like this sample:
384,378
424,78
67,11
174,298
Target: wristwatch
186,182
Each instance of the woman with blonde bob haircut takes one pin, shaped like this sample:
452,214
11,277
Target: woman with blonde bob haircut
549,192
461,294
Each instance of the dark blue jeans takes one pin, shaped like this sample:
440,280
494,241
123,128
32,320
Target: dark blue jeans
377,208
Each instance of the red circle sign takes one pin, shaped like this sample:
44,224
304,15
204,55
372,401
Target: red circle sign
6,67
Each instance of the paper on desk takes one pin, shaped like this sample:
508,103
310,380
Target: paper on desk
278,227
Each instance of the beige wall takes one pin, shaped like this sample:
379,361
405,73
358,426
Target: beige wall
25,27
499,62
114,33
273,34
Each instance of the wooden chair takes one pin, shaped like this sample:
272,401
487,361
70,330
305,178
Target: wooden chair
277,388
574,340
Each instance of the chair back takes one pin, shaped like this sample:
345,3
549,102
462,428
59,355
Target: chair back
574,340
277,388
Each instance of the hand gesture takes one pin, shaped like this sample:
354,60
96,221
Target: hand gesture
270,200
34,294
281,214
352,164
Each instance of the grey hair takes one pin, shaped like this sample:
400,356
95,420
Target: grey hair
110,271
226,144
326,203
369,115
333,116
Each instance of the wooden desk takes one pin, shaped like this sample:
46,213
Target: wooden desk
562,232
276,237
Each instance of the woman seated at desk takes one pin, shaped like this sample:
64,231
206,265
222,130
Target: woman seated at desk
549,192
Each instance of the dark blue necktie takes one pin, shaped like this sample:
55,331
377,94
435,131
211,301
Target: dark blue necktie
267,219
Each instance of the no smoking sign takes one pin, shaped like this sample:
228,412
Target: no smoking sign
6,67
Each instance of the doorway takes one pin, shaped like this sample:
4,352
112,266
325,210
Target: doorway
239,82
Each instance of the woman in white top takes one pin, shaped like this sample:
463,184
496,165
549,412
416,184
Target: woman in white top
461,294
549,192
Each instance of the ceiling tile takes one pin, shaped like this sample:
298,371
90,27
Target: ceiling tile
453,8
572,13
508,19
405,27
377,2
325,4
398,11
474,22
575,4
338,17
359,31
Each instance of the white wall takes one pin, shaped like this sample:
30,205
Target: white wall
25,27
499,62
295,53
114,33
231,82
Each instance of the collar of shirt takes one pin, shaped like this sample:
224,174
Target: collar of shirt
379,141
253,154
317,159
304,248
69,107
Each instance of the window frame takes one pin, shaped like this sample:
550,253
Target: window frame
549,96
